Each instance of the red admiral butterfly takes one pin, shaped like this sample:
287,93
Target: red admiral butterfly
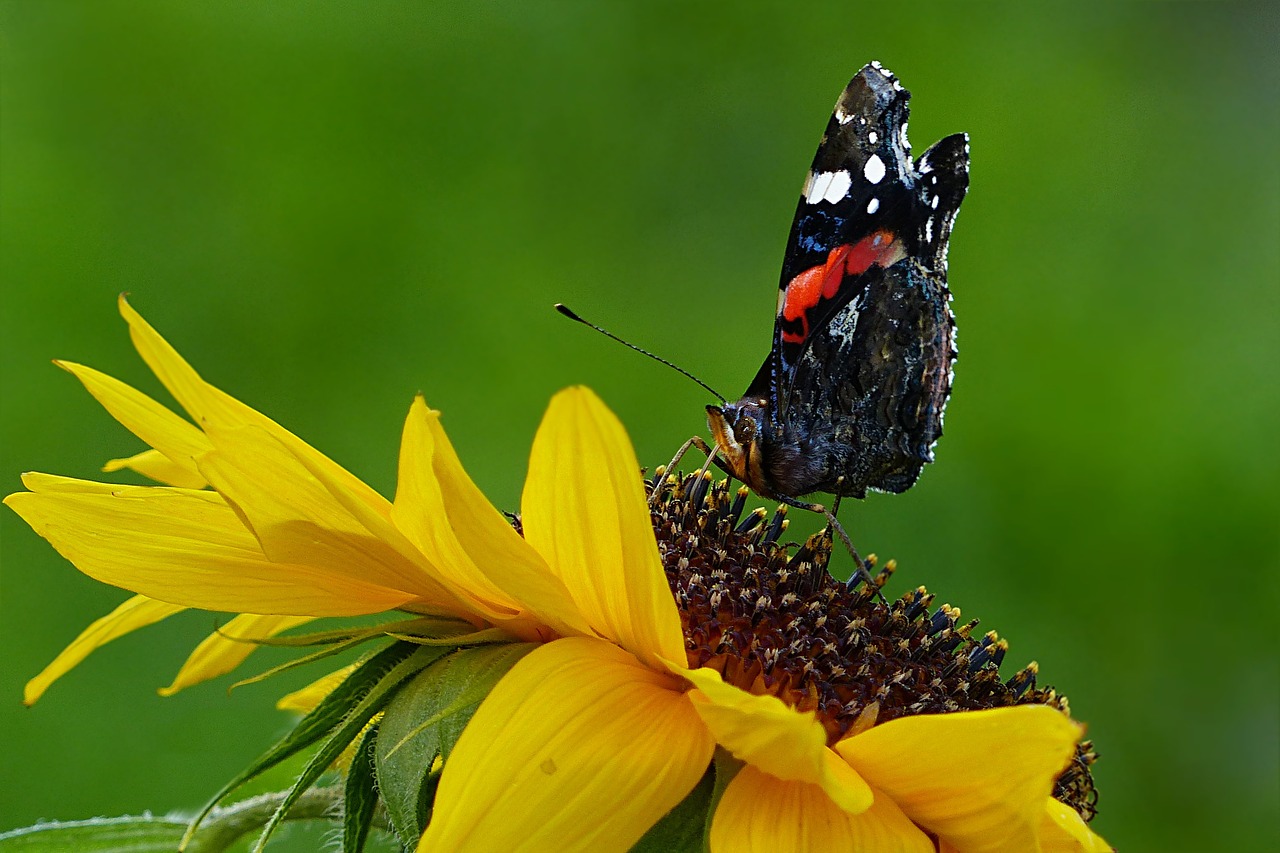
851,396
852,393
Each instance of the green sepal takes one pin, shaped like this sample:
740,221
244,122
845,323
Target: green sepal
683,829
474,638
726,767
442,630
360,795
421,626
322,719
371,702
425,720
141,834
294,663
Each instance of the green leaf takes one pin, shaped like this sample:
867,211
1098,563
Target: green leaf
323,719
371,702
142,834
360,797
425,720
681,829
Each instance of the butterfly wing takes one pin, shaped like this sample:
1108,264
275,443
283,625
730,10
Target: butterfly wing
860,367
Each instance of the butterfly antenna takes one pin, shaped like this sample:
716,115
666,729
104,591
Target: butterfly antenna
568,312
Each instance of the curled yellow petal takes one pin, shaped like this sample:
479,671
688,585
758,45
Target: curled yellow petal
455,527
137,612
186,547
778,740
579,747
585,512
224,650
420,512
760,813
299,519
977,779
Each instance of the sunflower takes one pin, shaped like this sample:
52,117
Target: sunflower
615,714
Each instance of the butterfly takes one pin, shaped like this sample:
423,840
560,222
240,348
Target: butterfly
852,393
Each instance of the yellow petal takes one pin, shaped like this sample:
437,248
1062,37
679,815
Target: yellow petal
584,510
1062,830
767,734
208,406
186,547
977,779
298,519
174,438
579,747
224,650
448,519
305,700
157,466
137,612
760,813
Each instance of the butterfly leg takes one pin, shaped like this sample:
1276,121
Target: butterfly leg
696,441
863,566
860,566
861,570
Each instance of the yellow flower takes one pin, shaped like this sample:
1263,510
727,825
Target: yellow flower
605,726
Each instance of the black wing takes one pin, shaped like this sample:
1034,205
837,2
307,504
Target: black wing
860,369
847,196
868,393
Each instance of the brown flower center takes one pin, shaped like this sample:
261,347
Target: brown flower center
771,620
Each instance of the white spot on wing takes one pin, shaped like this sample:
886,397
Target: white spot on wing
906,143
842,117
874,170
845,323
872,137
873,205
827,186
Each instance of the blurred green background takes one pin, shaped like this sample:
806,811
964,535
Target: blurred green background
327,207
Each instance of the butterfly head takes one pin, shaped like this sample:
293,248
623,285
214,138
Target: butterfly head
738,429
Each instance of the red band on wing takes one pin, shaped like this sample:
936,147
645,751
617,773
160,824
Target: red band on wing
815,284
803,293
880,248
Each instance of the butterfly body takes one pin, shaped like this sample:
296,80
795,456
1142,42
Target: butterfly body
852,393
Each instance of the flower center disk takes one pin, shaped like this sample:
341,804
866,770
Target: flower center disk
771,620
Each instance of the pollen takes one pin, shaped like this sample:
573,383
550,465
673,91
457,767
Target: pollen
770,619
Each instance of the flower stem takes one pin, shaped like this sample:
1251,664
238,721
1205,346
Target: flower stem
227,824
